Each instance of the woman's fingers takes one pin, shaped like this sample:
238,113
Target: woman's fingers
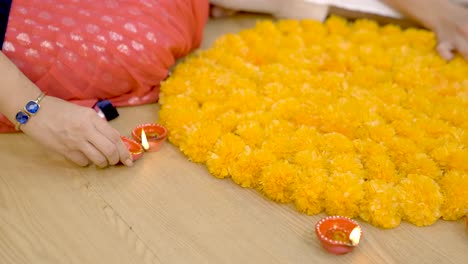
94,155
445,50
104,146
461,43
117,151
77,157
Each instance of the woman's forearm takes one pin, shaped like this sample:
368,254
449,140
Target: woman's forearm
426,12
15,88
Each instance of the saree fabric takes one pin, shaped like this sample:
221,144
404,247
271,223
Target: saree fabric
86,50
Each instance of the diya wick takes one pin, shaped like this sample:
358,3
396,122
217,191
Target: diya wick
144,140
338,234
150,135
135,149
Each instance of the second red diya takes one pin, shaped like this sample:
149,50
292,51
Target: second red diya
155,135
135,149
338,234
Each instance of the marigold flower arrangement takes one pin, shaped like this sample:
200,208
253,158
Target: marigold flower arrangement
354,119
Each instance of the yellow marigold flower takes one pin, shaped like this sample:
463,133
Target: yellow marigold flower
380,167
421,163
285,108
380,205
395,112
212,110
343,194
452,156
200,138
407,129
264,118
400,149
390,93
243,100
174,102
367,148
306,138
380,132
343,163
452,110
421,199
175,86
228,120
308,98
335,143
309,190
365,25
289,26
277,179
454,187
310,159
421,40
246,170
313,31
276,90
231,43
251,132
177,121
309,114
338,26
225,151
280,126
278,144
268,29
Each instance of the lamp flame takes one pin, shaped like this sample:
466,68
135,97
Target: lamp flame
355,236
144,140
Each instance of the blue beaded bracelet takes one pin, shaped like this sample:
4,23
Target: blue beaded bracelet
30,109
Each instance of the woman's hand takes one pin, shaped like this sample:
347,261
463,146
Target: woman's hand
78,133
447,19
452,33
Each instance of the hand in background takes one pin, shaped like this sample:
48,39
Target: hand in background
452,33
77,133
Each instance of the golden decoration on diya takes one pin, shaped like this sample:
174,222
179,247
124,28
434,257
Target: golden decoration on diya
338,235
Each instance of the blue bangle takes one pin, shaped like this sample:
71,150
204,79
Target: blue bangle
30,109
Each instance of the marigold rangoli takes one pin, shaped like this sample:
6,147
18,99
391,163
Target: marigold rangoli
352,119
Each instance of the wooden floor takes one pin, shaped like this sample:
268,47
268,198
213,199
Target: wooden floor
168,210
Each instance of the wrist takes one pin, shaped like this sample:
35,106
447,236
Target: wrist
30,109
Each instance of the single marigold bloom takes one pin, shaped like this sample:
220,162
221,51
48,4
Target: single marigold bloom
381,205
224,152
200,138
421,199
380,167
309,191
342,163
251,132
454,187
343,194
310,159
277,179
247,168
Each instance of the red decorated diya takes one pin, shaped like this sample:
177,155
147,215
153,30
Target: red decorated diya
338,234
151,136
135,149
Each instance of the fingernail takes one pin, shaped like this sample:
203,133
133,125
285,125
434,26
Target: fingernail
128,162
